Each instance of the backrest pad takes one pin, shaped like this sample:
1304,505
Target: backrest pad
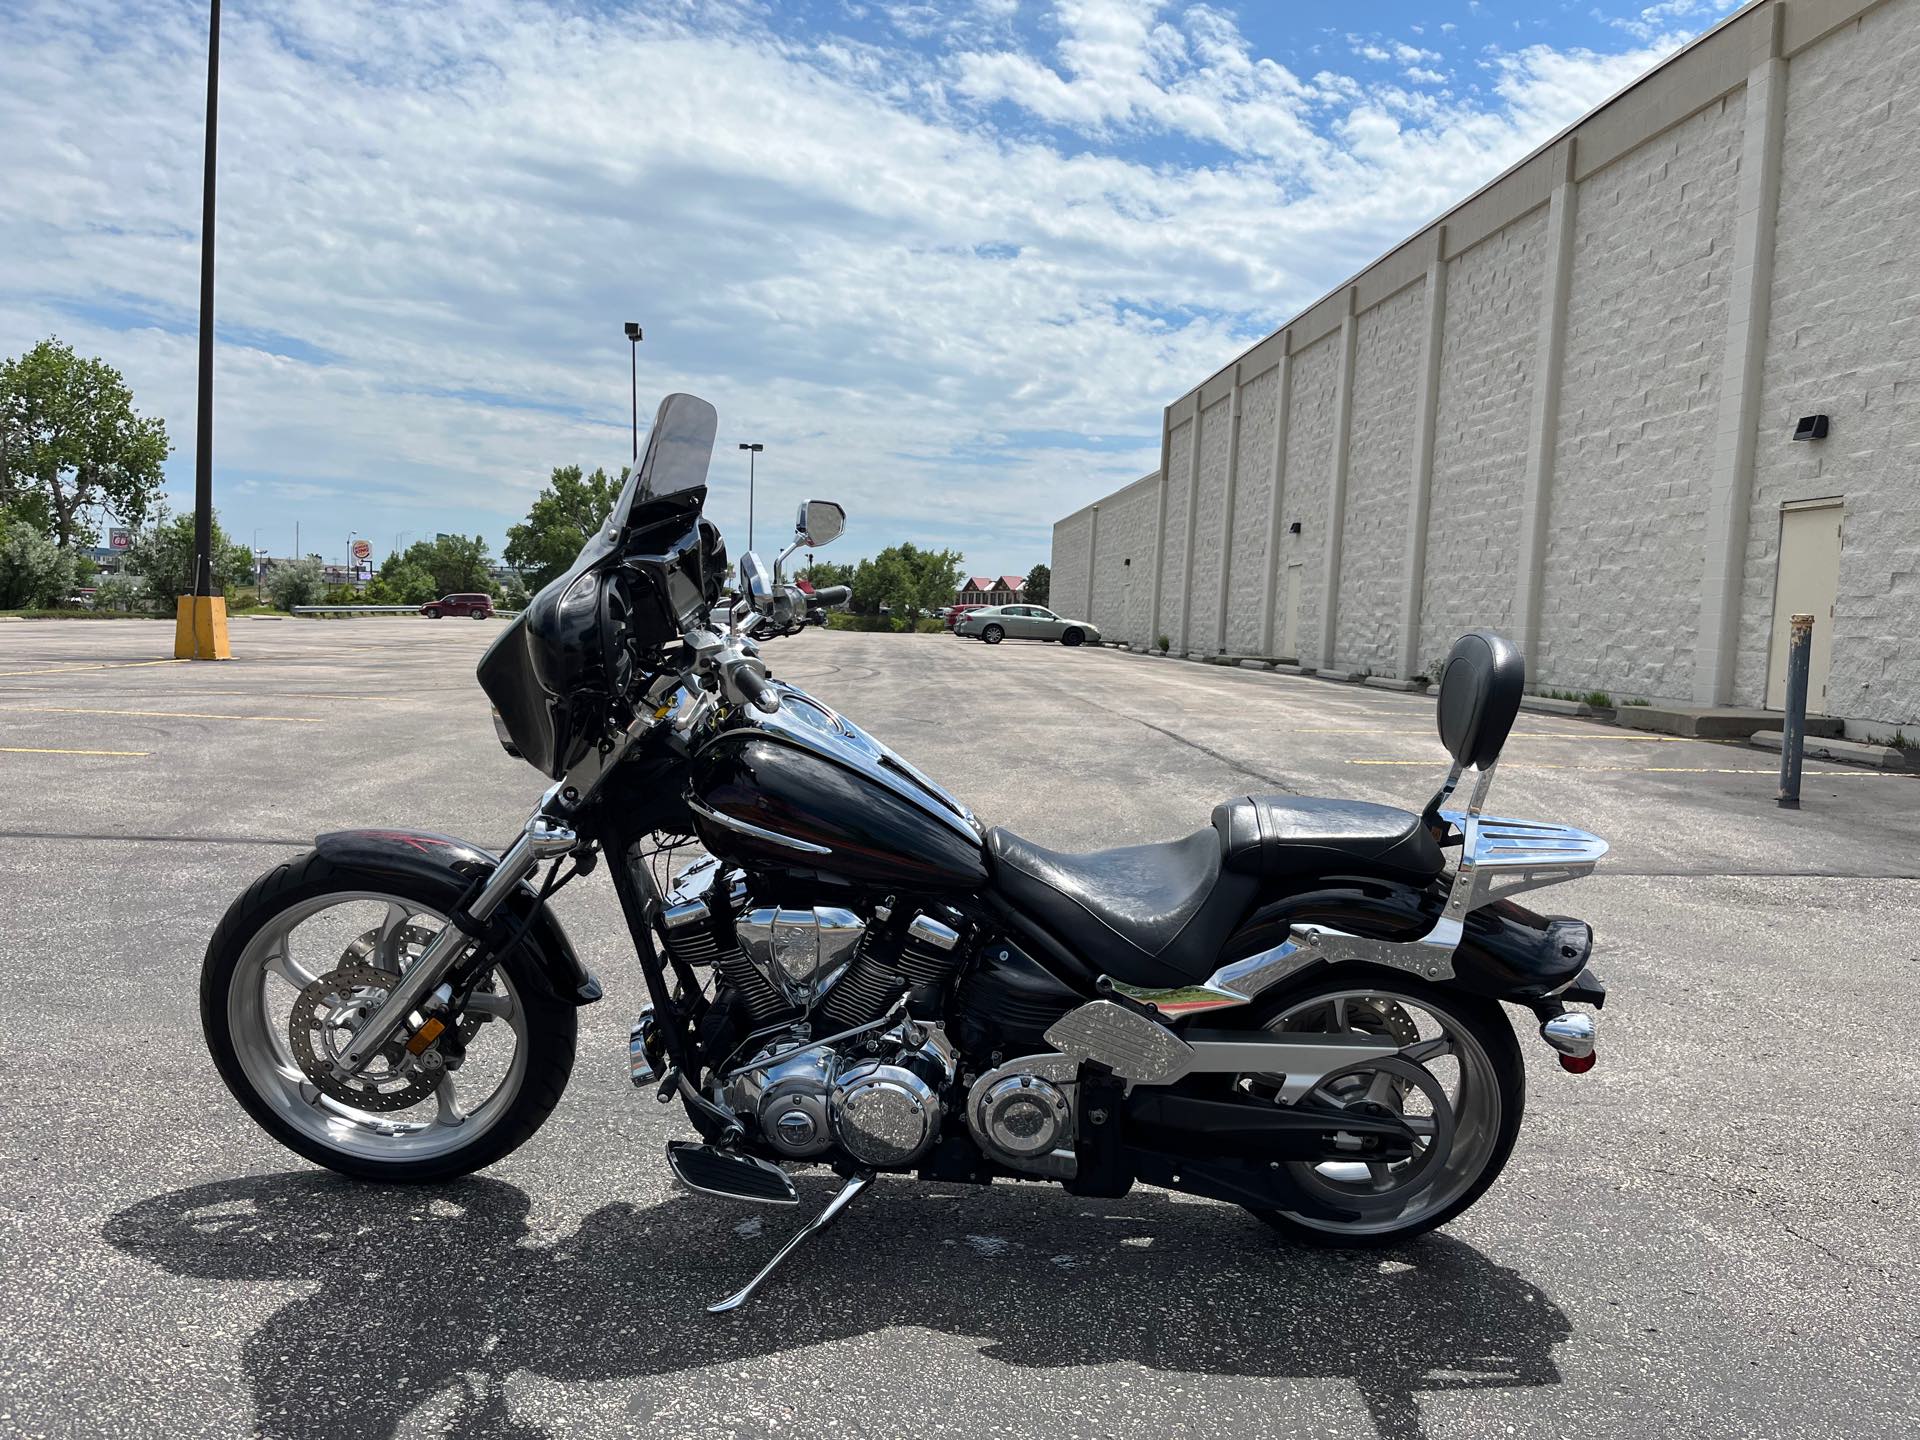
1480,690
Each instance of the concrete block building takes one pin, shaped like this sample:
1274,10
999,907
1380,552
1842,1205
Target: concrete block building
1567,408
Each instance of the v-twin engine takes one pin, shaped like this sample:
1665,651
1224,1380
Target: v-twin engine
878,1101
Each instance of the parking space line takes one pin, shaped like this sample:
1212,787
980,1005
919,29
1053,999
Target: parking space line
1426,732
102,665
48,750
1657,769
155,714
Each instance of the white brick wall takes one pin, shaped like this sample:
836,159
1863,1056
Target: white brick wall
1373,554
1480,434
1216,433
1071,560
1844,340
1173,586
1123,574
1310,422
1638,432
1252,495
1646,338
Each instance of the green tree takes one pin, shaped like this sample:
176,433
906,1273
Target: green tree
562,516
400,583
163,554
823,573
300,582
456,563
1039,587
71,441
34,572
907,580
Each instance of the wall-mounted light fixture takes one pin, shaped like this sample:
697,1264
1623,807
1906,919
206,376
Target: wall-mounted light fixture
1294,528
1811,427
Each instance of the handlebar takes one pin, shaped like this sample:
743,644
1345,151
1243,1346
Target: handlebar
745,679
833,595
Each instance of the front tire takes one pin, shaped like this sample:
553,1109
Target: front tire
1487,1095
256,967
993,634
433,612
1073,637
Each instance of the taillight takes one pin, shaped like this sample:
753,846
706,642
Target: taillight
1578,1064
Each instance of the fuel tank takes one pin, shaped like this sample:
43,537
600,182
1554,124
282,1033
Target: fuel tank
805,788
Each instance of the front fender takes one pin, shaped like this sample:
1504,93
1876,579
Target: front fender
444,860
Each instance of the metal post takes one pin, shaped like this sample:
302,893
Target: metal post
203,446
1793,732
751,456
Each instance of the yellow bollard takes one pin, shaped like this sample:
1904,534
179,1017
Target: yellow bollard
200,628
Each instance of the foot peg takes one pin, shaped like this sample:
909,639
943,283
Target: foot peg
730,1176
848,1194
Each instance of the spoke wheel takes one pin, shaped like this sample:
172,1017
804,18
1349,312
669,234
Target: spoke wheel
1457,1083
295,971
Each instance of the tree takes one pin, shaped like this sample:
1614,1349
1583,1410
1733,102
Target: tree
456,564
906,580
71,441
300,582
558,523
823,573
400,583
163,554
1039,586
34,572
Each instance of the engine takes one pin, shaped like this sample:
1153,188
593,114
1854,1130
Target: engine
878,1101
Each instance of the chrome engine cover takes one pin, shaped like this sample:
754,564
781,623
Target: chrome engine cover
1022,1114
888,1112
789,1101
800,952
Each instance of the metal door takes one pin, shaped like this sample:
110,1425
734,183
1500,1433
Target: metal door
1806,583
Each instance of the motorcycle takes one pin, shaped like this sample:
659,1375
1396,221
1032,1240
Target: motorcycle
1297,1008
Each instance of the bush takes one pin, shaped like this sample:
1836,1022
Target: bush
300,582
35,573
164,555
884,624
122,593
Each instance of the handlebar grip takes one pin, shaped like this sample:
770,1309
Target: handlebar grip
833,595
746,679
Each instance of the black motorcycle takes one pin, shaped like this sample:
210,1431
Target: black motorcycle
1296,1009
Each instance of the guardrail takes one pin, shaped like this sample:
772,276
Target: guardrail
375,610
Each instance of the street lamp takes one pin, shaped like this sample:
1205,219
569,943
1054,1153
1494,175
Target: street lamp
353,570
633,365
752,451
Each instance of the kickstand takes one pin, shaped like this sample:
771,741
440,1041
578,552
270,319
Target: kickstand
848,1194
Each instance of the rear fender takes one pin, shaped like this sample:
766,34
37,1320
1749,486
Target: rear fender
1507,952
443,860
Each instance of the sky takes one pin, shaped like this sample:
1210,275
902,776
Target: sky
945,261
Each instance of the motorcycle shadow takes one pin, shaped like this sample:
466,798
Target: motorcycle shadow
436,1297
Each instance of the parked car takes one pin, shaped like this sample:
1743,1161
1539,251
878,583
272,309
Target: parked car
994,623
478,606
954,614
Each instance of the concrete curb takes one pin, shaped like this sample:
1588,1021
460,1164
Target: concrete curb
1574,709
1715,724
1845,752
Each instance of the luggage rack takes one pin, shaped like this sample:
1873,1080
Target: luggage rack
1499,857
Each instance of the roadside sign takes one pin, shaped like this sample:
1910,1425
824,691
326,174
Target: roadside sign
362,550
120,539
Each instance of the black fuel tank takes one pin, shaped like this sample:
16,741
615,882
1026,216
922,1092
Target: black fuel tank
799,793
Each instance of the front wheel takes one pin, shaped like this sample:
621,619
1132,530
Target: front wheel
1465,1106
433,612
296,967
1074,637
993,634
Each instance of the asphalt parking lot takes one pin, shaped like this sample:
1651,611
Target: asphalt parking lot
1711,1234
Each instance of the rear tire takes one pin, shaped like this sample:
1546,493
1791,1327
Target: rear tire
1486,1024
993,634
548,1029
1073,637
479,614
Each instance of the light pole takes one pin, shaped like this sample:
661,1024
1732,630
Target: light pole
398,536
752,452
353,570
633,367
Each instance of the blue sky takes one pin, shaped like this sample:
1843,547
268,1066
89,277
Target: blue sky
946,261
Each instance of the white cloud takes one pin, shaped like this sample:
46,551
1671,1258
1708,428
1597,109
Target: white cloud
927,278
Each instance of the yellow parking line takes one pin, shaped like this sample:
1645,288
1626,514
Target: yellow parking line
44,750
102,665
1426,732
156,714
1657,769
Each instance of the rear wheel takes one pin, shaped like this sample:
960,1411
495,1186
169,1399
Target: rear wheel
1073,637
296,967
1464,1096
479,614
993,634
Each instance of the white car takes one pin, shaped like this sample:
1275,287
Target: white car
994,623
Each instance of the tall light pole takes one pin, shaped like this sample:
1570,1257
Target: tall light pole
353,570
200,626
752,452
633,366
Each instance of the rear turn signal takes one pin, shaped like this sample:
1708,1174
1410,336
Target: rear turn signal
1578,1064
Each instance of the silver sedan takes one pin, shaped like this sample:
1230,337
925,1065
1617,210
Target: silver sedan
994,623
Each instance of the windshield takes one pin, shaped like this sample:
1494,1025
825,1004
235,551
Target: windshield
673,466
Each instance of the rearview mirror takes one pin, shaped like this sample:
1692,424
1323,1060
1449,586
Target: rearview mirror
756,585
820,522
